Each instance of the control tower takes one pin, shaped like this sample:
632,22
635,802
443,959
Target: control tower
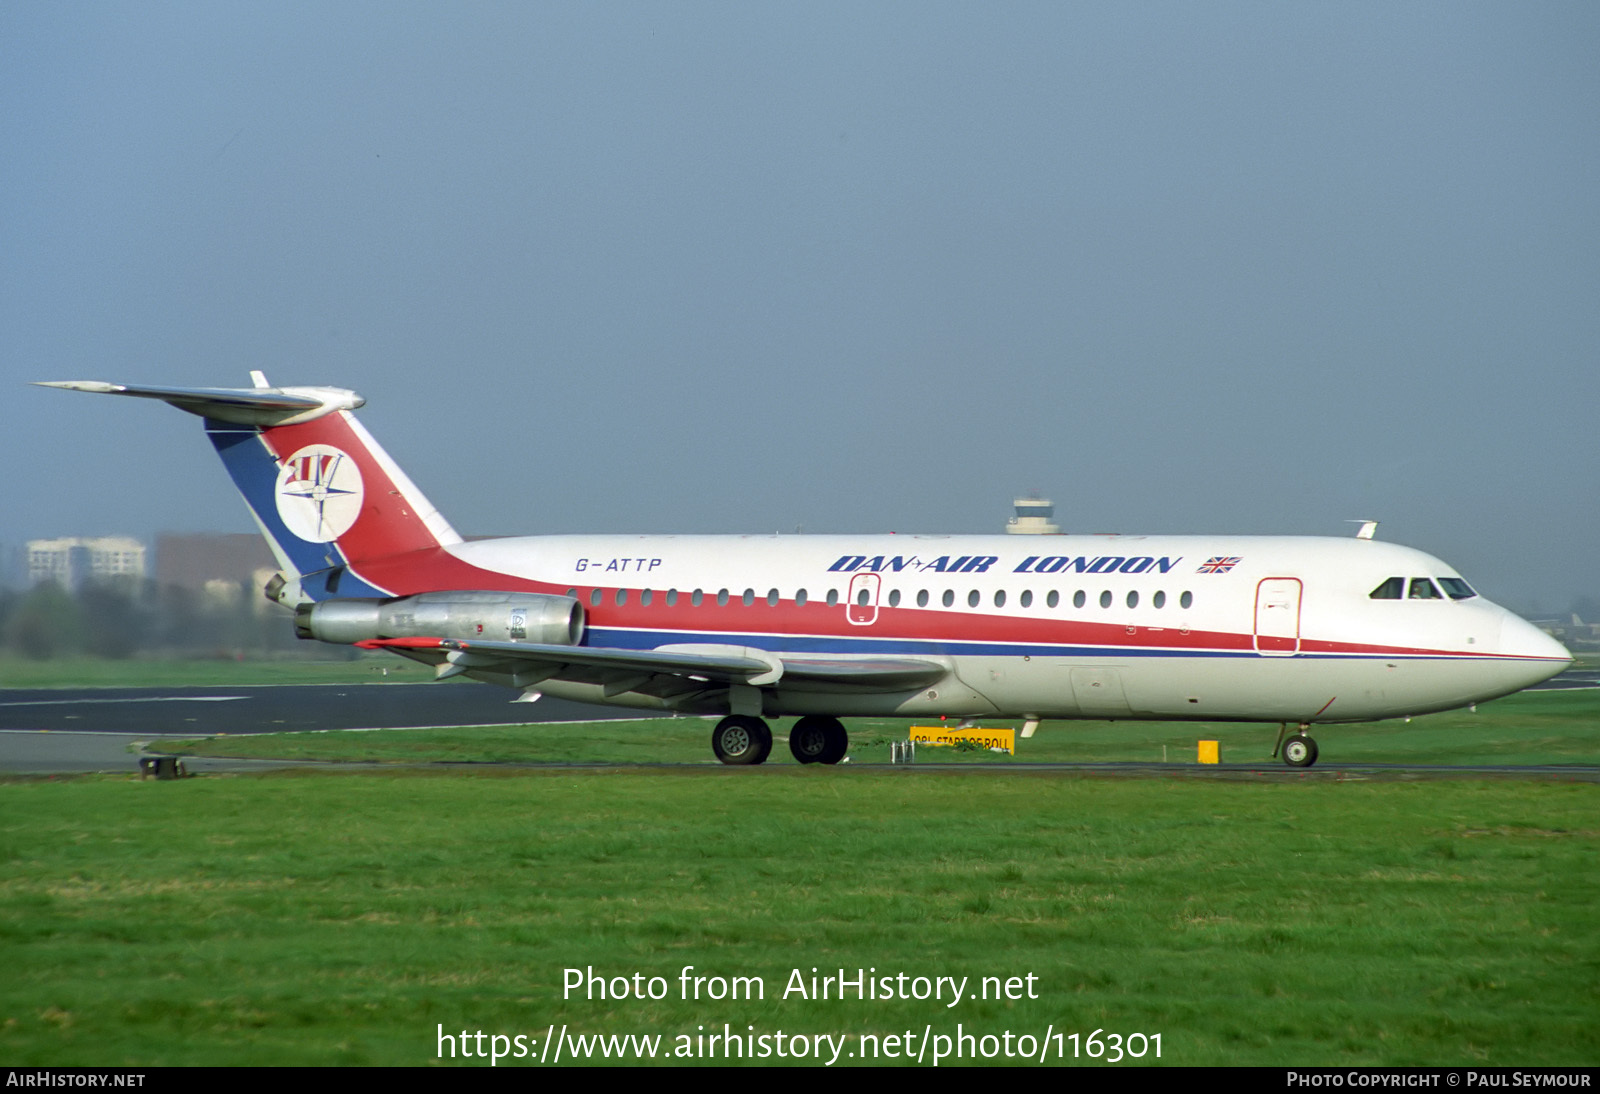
1033,518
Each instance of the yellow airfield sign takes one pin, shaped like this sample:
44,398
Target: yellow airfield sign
997,740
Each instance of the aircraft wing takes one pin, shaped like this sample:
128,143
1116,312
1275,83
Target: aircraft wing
664,671
878,673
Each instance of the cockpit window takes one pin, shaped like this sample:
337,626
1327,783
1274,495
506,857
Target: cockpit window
1393,589
1423,589
1458,589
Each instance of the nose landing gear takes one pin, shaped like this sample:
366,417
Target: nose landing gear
1299,750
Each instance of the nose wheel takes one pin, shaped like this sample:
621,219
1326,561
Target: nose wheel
1299,750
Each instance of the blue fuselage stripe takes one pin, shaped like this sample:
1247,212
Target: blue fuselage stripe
631,639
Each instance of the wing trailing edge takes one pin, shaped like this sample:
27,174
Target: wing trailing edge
693,665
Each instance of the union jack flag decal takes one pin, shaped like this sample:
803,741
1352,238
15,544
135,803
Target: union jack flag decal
1218,565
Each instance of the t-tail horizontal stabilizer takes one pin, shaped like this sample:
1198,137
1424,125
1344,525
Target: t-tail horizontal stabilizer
257,406
327,497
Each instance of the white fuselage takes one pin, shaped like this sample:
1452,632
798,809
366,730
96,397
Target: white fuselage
1170,627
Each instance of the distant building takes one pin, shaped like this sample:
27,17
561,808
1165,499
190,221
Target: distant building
225,570
1033,518
72,560
1572,632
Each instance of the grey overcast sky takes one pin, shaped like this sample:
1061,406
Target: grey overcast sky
726,267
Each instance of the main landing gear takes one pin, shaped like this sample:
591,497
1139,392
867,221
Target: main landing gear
815,739
741,739
1299,750
818,740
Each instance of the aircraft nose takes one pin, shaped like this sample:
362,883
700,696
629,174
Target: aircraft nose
1541,655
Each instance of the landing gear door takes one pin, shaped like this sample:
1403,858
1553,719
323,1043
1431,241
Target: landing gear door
1278,616
861,608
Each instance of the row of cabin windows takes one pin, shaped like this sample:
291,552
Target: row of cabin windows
1422,588
864,598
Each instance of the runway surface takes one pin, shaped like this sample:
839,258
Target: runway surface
279,708
1572,678
63,731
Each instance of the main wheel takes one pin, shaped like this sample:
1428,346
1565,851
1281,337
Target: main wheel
741,739
1300,751
817,739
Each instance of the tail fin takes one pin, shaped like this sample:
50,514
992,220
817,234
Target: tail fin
329,499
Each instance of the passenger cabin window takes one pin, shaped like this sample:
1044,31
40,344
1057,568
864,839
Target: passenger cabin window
1423,589
1392,589
1458,589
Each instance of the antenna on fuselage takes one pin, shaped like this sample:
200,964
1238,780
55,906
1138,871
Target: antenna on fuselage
1368,527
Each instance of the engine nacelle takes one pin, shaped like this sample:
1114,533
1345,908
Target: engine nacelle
486,616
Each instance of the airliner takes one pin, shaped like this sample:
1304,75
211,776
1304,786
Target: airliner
1300,631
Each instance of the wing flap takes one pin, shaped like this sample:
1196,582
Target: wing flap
880,673
619,670
578,659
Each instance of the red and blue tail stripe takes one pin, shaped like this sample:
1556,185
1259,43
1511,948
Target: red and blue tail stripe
387,516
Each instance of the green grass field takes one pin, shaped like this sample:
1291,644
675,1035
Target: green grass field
342,919
336,916
345,917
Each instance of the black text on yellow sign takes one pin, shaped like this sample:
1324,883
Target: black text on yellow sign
998,740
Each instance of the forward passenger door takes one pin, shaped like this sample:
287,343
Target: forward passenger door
1277,625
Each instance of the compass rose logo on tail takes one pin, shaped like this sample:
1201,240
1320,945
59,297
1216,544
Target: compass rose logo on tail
319,493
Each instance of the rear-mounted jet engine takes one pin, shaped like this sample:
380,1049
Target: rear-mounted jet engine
464,616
